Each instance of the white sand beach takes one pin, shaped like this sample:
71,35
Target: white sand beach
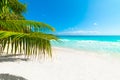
66,64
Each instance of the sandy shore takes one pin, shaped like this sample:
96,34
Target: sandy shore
66,64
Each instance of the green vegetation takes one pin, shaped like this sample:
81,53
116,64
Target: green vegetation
18,35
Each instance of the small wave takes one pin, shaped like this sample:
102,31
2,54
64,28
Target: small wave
64,39
96,41
88,41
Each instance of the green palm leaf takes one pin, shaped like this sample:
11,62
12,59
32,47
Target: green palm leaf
26,43
20,25
18,35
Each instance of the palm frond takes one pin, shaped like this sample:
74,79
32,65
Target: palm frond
16,6
18,35
26,43
21,25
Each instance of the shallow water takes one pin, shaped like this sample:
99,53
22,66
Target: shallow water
106,44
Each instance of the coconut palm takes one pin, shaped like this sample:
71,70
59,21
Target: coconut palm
18,35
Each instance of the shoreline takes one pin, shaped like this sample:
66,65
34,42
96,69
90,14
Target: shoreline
66,64
87,52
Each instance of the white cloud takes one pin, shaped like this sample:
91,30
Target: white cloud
76,30
95,24
79,32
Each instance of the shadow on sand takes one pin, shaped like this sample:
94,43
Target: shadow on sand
10,77
12,58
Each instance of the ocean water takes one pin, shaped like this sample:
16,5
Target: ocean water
104,44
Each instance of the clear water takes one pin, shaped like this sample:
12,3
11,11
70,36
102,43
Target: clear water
106,44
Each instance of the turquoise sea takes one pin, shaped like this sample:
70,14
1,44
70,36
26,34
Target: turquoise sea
104,44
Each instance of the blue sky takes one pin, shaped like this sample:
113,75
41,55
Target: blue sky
77,17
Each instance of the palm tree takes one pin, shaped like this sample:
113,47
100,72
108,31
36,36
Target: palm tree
18,35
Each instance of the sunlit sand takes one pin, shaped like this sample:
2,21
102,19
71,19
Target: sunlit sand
66,64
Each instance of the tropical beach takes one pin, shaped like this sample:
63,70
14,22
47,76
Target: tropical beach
73,58
59,40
